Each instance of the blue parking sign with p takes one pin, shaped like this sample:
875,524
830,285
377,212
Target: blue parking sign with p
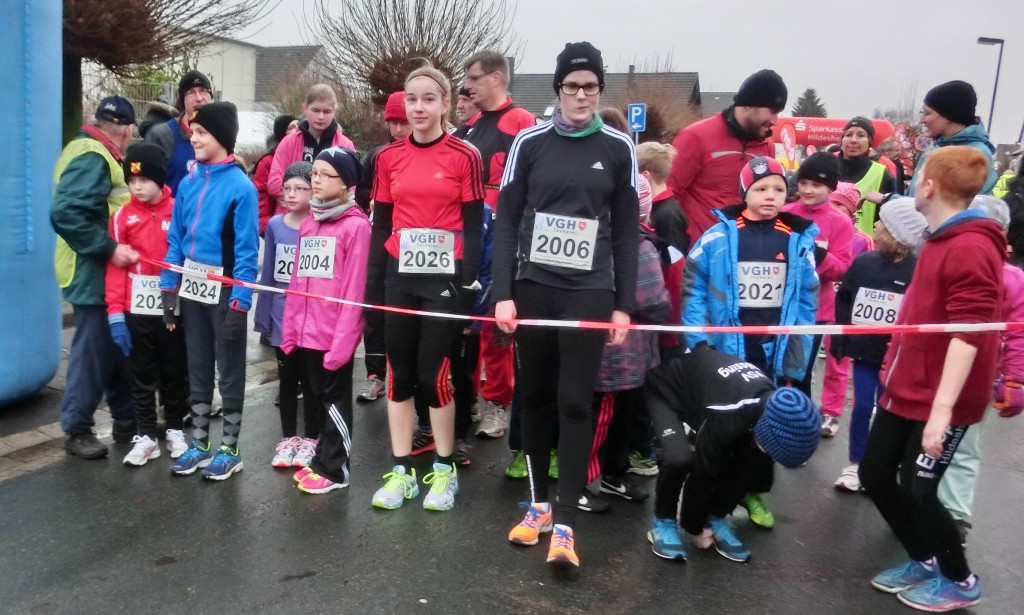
636,113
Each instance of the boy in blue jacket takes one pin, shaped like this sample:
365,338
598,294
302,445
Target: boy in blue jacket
755,267
214,229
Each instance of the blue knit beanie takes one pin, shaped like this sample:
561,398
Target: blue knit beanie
789,428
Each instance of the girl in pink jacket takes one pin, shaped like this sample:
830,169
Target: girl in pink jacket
818,177
330,260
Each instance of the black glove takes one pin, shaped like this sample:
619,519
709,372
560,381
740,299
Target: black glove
170,301
235,323
819,253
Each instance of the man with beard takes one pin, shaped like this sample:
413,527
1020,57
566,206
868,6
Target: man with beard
713,150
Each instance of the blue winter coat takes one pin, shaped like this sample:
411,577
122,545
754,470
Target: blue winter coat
711,294
215,223
974,136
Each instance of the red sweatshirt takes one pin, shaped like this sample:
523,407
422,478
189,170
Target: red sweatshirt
958,279
143,226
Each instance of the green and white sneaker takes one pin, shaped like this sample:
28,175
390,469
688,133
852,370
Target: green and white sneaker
398,487
444,484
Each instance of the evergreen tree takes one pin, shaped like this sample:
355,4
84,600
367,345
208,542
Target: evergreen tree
809,105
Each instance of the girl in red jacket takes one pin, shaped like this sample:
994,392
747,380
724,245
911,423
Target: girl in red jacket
134,308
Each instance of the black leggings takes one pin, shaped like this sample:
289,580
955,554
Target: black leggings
419,348
575,356
157,363
465,355
291,372
912,507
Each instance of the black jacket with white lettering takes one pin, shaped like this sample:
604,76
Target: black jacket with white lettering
591,177
721,397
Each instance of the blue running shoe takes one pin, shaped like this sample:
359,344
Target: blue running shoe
664,535
226,462
726,543
194,457
939,594
903,577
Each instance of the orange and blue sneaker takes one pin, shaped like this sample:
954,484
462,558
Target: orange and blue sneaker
563,548
939,594
537,521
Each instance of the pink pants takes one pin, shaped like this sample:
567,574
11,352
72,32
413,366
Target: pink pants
833,390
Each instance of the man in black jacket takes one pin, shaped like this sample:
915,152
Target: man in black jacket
740,424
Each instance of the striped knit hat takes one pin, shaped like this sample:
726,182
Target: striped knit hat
789,428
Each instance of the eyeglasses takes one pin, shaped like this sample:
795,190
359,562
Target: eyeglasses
474,78
572,89
295,189
321,174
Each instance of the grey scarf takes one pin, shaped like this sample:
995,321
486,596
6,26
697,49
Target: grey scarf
330,210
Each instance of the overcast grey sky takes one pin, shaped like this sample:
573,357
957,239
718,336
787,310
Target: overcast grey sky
858,54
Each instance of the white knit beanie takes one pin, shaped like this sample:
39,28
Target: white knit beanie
904,222
995,209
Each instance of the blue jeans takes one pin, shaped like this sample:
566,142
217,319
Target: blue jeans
865,395
96,367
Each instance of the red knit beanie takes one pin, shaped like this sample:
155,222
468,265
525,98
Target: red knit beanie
394,110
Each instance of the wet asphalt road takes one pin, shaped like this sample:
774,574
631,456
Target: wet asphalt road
95,536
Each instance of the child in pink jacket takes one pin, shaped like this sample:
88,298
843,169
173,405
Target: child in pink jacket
818,177
330,260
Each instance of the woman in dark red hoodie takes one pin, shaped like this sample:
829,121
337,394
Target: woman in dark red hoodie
937,385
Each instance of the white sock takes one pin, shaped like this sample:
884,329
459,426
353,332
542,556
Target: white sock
969,582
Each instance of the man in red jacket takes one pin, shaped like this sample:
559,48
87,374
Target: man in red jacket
713,151
937,385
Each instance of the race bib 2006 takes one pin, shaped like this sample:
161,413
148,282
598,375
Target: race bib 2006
316,257
563,241
425,250
761,285
875,307
146,299
196,287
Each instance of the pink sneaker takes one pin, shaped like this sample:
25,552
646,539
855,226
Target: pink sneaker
314,483
284,452
301,474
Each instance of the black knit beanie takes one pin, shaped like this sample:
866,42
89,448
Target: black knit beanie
578,56
954,100
862,122
189,80
145,160
764,88
221,120
281,124
822,168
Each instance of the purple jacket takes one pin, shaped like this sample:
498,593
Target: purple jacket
270,306
625,367
325,325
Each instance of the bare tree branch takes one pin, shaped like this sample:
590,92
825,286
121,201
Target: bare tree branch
371,45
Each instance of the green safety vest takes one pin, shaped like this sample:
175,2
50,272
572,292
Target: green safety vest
65,258
867,211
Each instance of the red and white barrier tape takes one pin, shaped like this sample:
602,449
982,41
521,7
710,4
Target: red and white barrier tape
585,324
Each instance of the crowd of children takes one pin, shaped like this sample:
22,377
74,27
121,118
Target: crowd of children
724,406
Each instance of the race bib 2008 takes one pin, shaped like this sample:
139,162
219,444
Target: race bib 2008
425,250
761,285
875,307
196,287
563,241
316,257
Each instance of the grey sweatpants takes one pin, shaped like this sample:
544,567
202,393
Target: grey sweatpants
205,344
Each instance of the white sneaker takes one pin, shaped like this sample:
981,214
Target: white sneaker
284,452
829,425
176,443
849,480
304,453
495,421
145,449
